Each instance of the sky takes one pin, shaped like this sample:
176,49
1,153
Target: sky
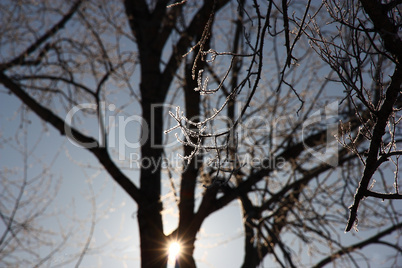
116,223
219,243
78,186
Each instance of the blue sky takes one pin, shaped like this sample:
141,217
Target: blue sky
220,241
83,186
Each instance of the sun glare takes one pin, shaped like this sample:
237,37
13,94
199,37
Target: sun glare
174,251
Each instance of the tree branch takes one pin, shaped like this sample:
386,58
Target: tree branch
376,141
19,59
383,25
383,196
101,153
196,27
369,241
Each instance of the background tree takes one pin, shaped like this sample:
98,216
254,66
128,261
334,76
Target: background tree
259,137
30,184
23,203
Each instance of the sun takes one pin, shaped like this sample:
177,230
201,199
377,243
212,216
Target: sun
174,251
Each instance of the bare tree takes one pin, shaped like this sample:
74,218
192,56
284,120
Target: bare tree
262,90
29,190
370,54
353,58
24,201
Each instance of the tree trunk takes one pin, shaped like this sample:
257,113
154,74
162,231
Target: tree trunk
151,27
153,241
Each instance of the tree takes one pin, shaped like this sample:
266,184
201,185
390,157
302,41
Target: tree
259,137
23,202
29,187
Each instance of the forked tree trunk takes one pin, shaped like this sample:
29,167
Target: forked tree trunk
151,28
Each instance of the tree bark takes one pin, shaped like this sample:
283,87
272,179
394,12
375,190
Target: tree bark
152,30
